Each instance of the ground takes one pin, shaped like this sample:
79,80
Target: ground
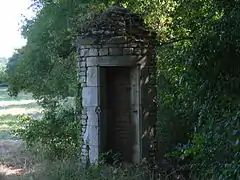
13,157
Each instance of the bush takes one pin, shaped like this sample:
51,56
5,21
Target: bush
57,133
67,169
3,76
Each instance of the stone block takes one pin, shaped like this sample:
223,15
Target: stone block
93,135
93,52
90,96
85,132
82,64
84,154
132,44
128,51
84,110
84,123
108,45
103,52
84,52
84,117
82,69
94,154
83,84
92,61
92,116
115,51
82,79
92,76
137,51
82,73
80,58
144,51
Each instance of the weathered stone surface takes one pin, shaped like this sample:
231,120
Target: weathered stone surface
83,84
112,61
93,135
133,44
103,52
137,51
92,76
84,122
84,52
90,96
82,64
93,52
107,45
128,51
82,79
94,154
82,73
84,110
144,51
82,69
93,61
92,116
84,117
115,51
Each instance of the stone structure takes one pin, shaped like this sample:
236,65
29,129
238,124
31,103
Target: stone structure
116,69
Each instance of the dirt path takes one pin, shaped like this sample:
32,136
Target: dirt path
12,161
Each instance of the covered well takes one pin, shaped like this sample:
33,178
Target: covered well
116,69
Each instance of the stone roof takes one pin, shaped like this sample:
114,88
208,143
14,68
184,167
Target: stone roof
116,21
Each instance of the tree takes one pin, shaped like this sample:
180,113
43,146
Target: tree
198,66
3,76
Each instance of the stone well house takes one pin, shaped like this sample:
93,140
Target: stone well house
116,69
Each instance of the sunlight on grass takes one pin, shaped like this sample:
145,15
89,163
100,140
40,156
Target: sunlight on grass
5,103
11,108
12,154
19,111
7,124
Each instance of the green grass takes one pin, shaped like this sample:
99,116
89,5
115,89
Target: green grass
11,108
12,152
7,124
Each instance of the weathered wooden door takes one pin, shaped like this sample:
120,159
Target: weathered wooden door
119,126
120,113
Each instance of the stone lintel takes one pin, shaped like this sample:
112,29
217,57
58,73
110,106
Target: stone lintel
115,61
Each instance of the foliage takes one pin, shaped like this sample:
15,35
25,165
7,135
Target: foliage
67,169
13,61
47,67
57,133
198,88
198,66
3,62
3,75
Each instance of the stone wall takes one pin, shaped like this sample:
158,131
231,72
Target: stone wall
118,53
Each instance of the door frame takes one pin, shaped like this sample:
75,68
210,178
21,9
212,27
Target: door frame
135,110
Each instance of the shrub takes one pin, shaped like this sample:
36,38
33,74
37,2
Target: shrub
3,76
68,169
56,134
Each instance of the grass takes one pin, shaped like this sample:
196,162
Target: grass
16,163
11,108
13,156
